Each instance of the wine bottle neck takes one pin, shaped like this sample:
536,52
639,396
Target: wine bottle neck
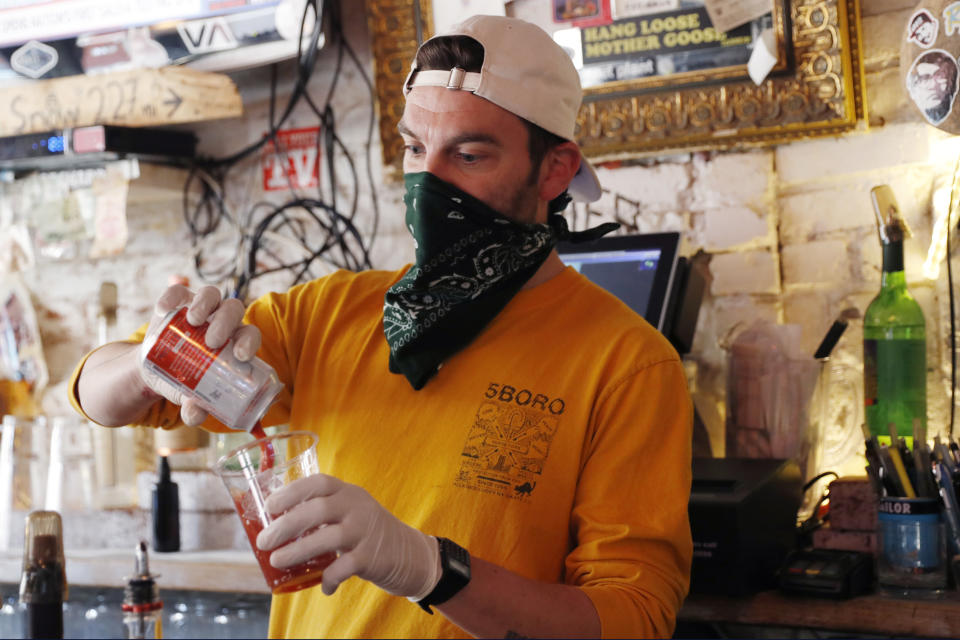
893,264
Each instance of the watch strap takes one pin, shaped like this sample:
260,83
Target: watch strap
454,574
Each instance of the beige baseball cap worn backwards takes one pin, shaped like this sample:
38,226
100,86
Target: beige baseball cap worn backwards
525,72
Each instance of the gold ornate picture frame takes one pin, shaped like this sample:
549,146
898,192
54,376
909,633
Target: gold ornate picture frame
820,95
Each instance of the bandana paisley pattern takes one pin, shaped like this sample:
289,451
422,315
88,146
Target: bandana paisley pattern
470,261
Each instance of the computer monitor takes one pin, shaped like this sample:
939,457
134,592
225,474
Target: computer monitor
646,272
638,269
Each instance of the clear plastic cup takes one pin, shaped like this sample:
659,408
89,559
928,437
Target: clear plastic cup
254,471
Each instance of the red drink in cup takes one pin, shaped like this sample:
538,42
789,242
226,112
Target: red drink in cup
299,576
250,477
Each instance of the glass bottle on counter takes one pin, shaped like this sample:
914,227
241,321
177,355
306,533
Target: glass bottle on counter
142,607
894,338
43,582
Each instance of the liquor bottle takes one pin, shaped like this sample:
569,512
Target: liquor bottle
894,338
142,607
43,582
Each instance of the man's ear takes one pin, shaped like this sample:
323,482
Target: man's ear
557,170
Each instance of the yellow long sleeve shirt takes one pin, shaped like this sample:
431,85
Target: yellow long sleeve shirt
557,445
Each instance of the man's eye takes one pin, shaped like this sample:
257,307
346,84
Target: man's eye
469,158
413,149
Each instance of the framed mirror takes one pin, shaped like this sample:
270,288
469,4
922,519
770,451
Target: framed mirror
641,98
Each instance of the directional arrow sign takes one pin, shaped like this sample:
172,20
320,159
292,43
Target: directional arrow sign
138,98
176,101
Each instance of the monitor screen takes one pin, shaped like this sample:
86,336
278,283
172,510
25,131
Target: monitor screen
638,269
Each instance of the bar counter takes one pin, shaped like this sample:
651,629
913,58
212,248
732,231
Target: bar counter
864,615
223,570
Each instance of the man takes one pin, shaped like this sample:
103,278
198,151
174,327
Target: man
932,84
488,396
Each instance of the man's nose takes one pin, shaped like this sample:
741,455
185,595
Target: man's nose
437,164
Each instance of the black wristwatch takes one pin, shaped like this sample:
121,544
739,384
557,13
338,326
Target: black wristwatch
455,567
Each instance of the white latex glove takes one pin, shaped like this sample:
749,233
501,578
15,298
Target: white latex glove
333,515
225,317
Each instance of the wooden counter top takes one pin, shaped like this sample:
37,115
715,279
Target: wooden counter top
868,614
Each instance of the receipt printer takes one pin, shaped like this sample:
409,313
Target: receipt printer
743,516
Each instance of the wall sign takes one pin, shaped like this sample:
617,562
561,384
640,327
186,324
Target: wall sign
295,164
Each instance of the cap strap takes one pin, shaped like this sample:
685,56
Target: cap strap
455,78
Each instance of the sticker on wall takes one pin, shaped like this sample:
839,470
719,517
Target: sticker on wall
132,48
205,36
932,84
295,164
629,8
923,28
951,18
34,59
582,13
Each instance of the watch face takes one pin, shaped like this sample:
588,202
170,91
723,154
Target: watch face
458,566
456,574
456,557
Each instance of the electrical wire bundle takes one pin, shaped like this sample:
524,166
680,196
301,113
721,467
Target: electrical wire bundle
305,234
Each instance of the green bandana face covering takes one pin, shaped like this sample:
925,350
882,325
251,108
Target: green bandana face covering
470,261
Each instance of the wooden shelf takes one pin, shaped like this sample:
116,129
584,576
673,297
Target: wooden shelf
869,614
138,98
234,571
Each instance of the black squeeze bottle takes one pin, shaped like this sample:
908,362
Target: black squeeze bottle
166,510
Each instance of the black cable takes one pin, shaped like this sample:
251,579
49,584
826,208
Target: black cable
305,62
370,127
273,95
328,145
814,520
220,167
312,207
953,330
337,230
812,481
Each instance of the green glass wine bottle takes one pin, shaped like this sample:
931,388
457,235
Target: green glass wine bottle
894,338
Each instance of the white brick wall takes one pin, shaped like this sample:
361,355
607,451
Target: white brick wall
822,262
823,158
729,227
733,179
744,272
662,187
882,36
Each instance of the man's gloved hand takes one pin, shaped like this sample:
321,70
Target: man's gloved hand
332,515
225,319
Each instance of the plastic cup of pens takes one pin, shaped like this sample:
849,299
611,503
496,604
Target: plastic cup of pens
251,473
912,548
